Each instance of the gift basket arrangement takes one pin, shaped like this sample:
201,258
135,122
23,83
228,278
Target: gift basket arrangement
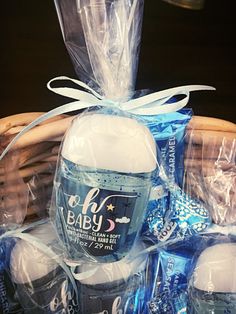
119,201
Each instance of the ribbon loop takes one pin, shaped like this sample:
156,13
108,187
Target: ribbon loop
72,92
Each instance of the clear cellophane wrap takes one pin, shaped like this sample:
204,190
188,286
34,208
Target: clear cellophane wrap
210,168
103,39
27,171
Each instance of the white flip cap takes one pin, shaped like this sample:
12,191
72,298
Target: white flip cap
216,269
110,142
29,263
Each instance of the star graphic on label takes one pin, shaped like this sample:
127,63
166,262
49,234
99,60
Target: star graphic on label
110,207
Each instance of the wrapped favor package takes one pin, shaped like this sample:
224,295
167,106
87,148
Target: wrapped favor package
34,278
118,162
107,157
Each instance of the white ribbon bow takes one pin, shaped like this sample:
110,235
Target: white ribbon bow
152,104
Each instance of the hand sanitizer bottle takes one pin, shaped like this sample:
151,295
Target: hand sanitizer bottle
41,285
213,286
102,186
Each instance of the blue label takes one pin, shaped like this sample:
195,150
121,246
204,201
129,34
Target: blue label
52,294
95,220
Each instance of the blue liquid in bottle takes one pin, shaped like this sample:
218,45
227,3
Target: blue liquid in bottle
102,186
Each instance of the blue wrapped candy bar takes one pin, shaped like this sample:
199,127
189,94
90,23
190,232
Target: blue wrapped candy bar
171,267
173,271
168,131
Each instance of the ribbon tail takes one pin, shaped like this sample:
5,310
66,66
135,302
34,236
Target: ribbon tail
161,97
23,228
73,106
166,108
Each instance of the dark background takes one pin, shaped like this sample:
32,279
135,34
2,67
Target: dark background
179,46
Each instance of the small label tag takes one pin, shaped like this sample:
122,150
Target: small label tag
167,231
